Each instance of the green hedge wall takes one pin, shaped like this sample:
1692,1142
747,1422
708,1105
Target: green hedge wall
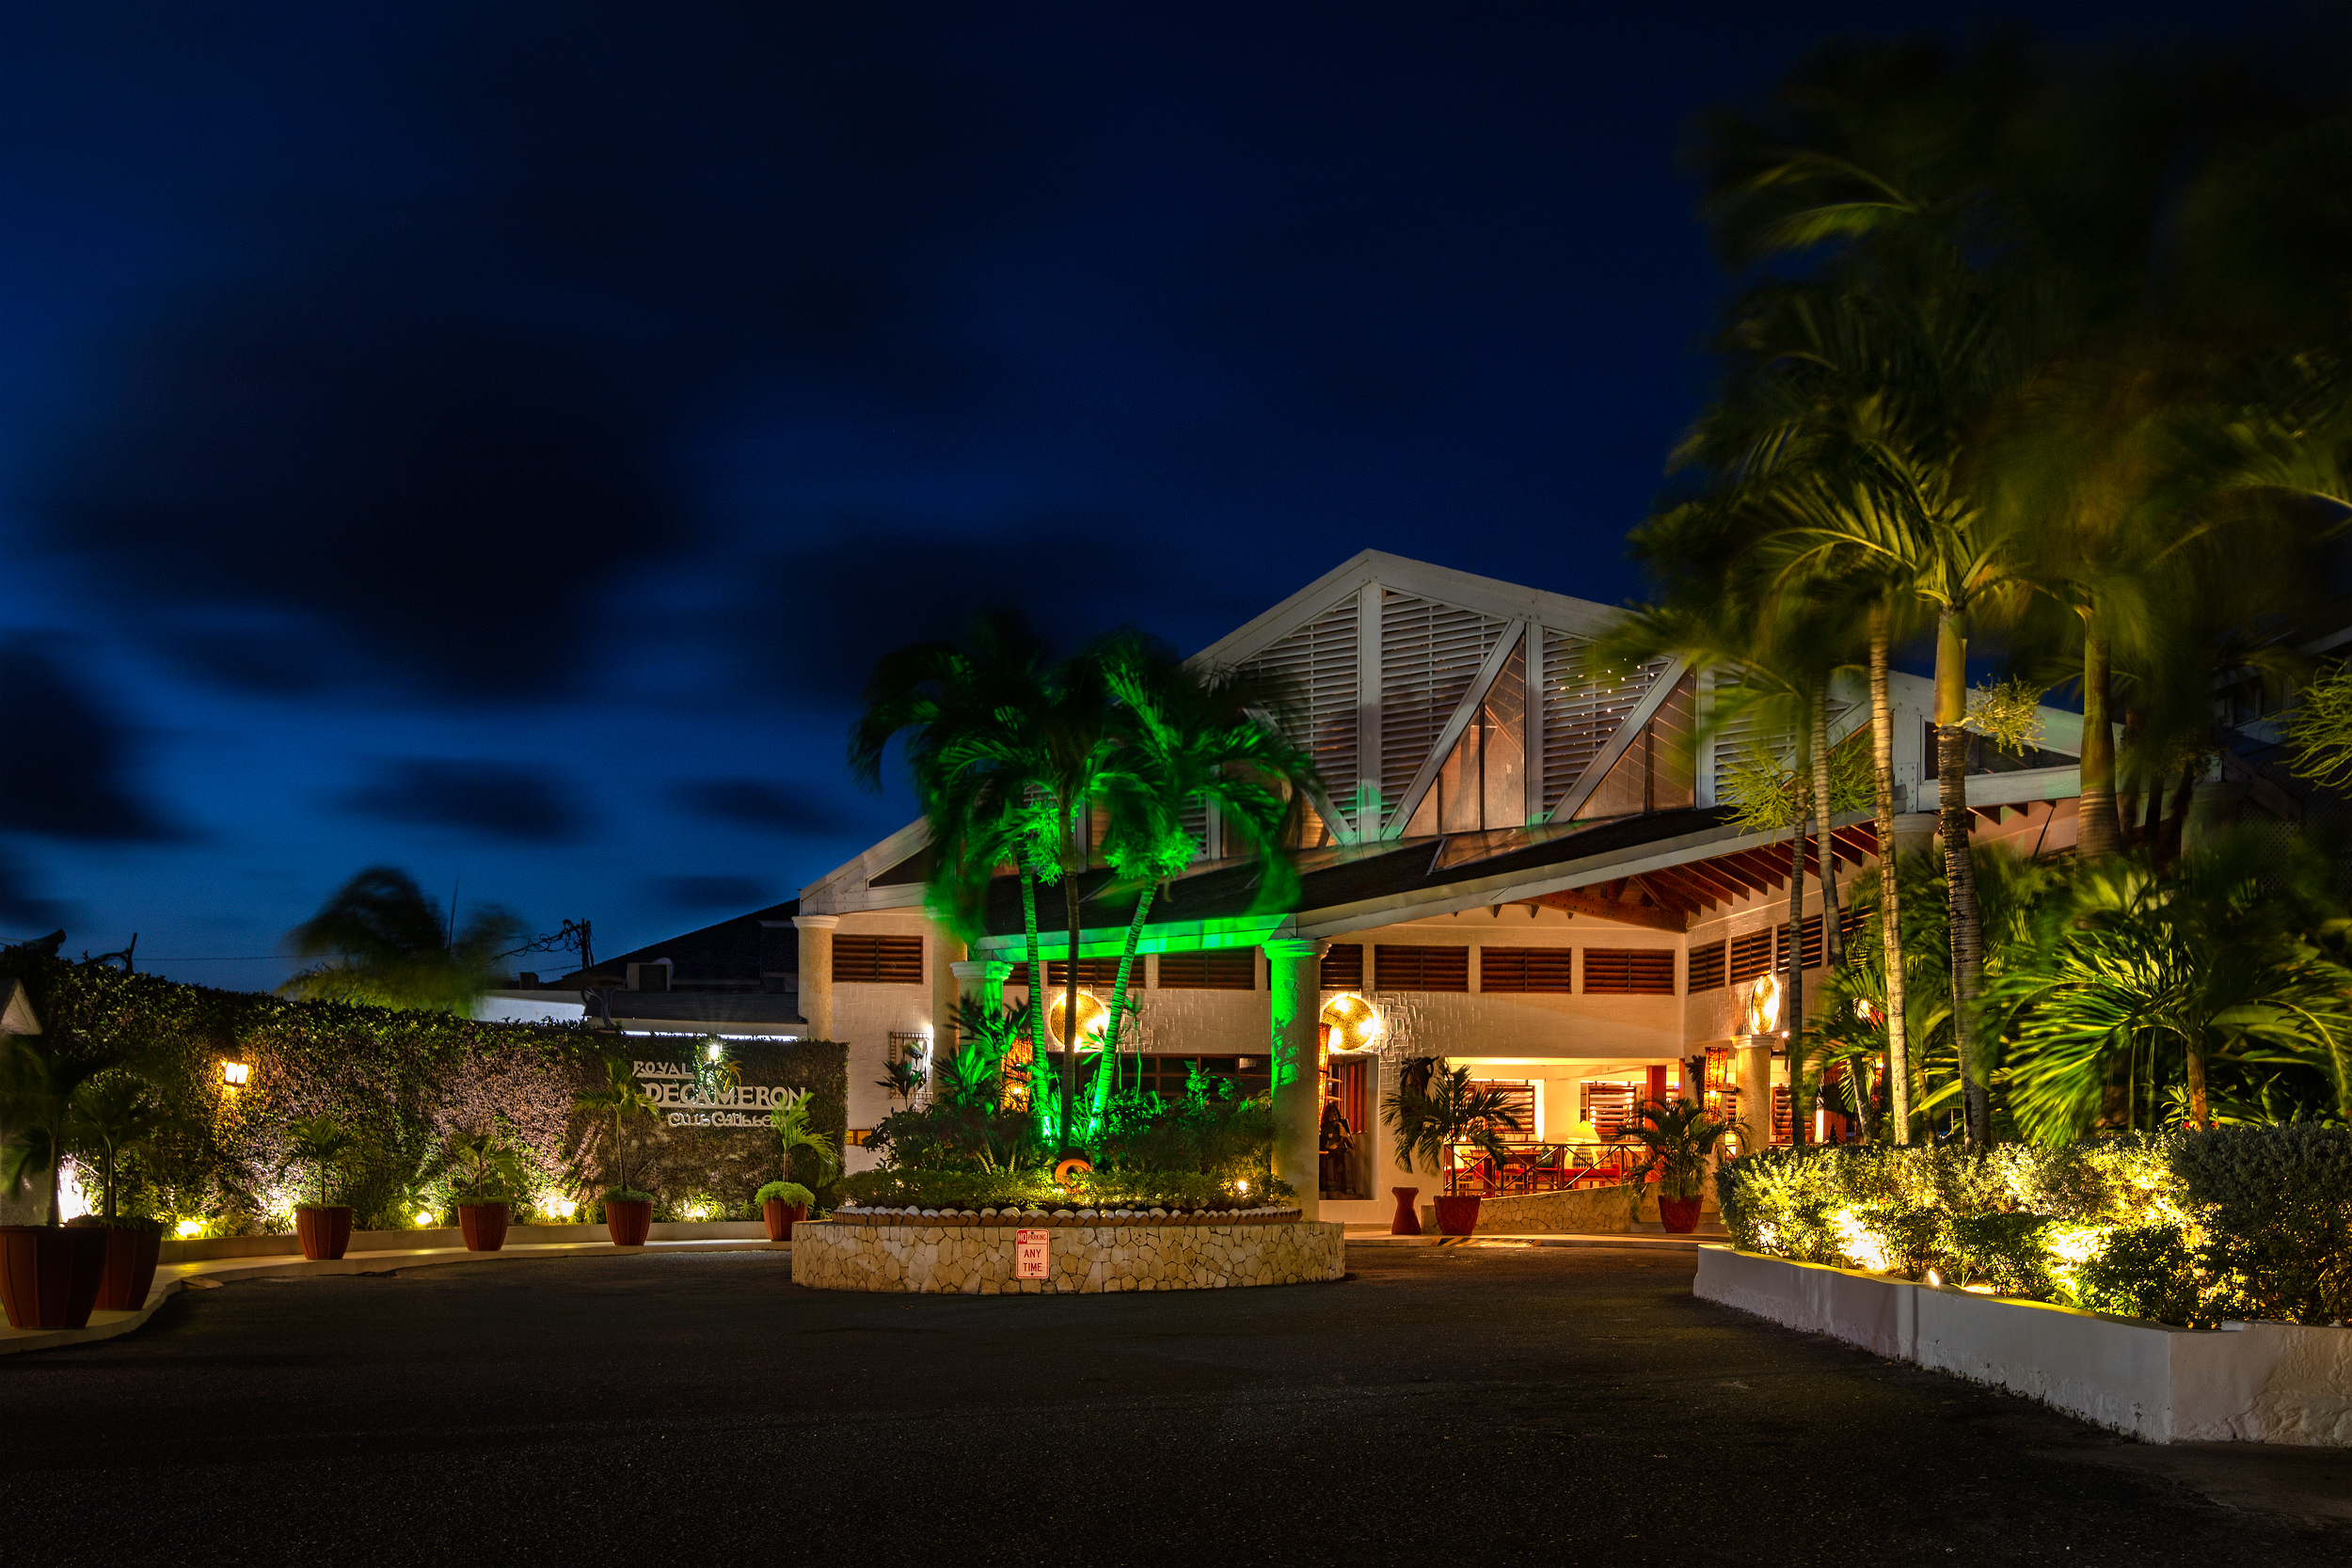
403,1081
2188,1227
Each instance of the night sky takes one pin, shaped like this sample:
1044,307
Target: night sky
497,440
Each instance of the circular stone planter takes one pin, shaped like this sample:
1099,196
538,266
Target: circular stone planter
969,1253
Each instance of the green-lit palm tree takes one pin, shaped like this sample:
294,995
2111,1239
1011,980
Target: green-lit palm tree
966,712
1190,740
384,942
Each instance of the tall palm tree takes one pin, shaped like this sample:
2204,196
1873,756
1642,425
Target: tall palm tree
966,714
385,943
1190,740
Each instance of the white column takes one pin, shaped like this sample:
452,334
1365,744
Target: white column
816,972
1295,984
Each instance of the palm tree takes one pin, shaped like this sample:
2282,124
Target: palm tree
617,1095
2161,980
40,1085
387,945
1191,739
967,713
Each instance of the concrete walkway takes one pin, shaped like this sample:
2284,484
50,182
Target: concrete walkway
172,1277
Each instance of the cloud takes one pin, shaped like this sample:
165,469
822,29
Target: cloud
757,803
494,800
67,757
861,587
703,892
23,912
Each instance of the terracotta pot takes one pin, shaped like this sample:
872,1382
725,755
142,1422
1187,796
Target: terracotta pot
1457,1216
780,1217
1407,1221
129,1269
50,1273
325,1232
483,1224
628,1220
1680,1214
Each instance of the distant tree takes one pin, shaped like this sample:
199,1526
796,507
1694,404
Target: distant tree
383,943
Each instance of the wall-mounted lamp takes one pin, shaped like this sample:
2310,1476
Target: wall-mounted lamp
233,1074
1763,1015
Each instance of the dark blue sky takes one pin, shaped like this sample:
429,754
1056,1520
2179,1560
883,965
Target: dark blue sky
497,440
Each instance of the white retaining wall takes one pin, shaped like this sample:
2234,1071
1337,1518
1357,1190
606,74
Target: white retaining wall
2269,1382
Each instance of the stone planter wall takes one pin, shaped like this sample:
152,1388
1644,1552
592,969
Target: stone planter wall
2268,1382
925,1253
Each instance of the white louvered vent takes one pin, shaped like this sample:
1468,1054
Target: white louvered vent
1429,655
1319,661
1732,742
1582,709
1194,819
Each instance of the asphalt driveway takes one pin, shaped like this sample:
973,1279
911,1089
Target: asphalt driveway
1440,1406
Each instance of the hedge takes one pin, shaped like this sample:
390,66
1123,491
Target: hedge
2187,1228
403,1081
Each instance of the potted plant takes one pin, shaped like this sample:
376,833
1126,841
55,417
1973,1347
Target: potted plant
627,1211
485,1172
50,1272
324,1228
1680,1136
113,1119
789,1116
1433,1122
782,1205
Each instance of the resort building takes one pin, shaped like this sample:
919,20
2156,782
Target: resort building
1518,862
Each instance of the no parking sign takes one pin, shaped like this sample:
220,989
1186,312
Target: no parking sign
1028,1254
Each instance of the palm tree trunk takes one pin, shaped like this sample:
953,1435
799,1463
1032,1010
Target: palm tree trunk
2198,1111
1890,904
1035,1006
1960,875
1119,992
1793,998
1833,938
1070,1016
2099,832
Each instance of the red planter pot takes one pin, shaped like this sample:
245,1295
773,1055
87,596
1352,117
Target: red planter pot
1407,1221
483,1224
1680,1214
129,1269
325,1232
780,1217
1457,1216
628,1220
50,1274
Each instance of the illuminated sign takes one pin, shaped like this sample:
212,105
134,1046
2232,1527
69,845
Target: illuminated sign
680,1097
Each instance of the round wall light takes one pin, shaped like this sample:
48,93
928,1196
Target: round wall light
1092,1016
1349,1024
1763,1014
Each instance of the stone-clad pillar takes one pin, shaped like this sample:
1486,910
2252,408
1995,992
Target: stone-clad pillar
816,972
1295,980
982,980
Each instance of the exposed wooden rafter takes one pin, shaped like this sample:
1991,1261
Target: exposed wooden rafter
1586,901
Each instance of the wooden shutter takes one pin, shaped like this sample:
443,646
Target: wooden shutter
1526,969
1215,969
1518,1101
1812,944
1420,967
1707,967
878,960
1092,972
1343,967
1751,953
1628,971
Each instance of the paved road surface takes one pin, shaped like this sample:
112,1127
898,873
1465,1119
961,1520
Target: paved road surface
1468,1407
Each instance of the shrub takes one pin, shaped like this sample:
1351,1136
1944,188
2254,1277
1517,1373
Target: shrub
2277,1238
783,1192
2192,1227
